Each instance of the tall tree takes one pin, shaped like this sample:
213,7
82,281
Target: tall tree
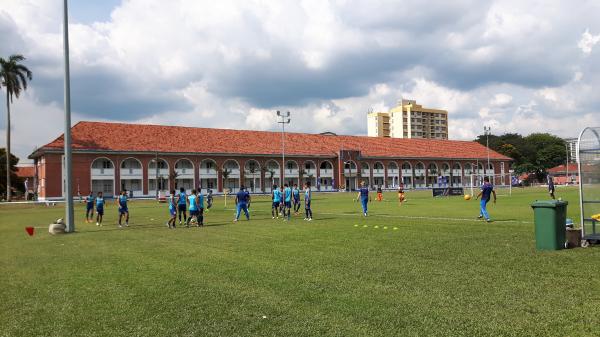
13,169
13,76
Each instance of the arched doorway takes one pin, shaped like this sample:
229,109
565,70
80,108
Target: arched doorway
103,176
158,177
252,176
131,177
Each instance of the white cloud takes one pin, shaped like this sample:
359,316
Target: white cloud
501,99
587,42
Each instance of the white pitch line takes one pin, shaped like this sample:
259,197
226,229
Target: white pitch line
413,217
424,217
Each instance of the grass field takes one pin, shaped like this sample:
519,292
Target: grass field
441,273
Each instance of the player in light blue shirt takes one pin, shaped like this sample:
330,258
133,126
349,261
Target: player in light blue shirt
181,204
276,198
123,210
192,200
99,209
172,210
287,197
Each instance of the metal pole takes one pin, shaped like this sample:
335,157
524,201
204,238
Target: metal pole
567,167
284,120
69,220
283,151
156,180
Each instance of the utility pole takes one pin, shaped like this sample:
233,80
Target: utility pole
284,118
69,220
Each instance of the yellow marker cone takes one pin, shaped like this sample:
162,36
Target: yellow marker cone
395,228
376,227
385,227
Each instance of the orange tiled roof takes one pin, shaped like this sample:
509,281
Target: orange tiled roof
122,137
25,171
562,168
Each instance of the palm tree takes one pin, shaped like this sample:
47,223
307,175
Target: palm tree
13,76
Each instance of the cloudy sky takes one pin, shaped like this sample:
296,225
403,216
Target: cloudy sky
519,66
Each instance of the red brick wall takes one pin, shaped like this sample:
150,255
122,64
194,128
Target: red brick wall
51,172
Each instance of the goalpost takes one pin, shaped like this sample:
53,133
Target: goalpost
502,183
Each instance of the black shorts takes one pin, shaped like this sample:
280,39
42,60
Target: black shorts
194,212
288,204
181,207
275,204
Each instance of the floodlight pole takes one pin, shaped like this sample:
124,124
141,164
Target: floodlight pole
486,131
284,119
69,220
567,167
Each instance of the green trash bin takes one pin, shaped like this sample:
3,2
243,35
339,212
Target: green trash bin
550,218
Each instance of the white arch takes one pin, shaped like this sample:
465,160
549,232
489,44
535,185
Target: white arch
182,160
419,166
432,166
231,161
160,160
247,167
328,165
207,160
457,166
406,166
350,164
378,165
295,166
101,173
269,165
162,164
131,159
312,167
104,158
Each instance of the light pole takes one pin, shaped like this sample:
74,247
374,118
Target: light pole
487,130
567,167
284,118
69,221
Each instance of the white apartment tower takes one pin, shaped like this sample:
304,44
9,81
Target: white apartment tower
409,120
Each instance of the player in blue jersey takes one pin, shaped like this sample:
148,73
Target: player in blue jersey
282,203
99,209
192,200
296,199
363,196
123,210
307,200
89,208
200,202
181,205
172,210
287,198
487,190
276,199
242,198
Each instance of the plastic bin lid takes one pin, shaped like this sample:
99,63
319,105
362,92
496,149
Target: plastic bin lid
549,203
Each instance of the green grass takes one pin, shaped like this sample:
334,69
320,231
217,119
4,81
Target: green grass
441,273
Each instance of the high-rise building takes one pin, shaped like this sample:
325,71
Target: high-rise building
409,120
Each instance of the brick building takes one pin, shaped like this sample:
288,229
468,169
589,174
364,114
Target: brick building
145,159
